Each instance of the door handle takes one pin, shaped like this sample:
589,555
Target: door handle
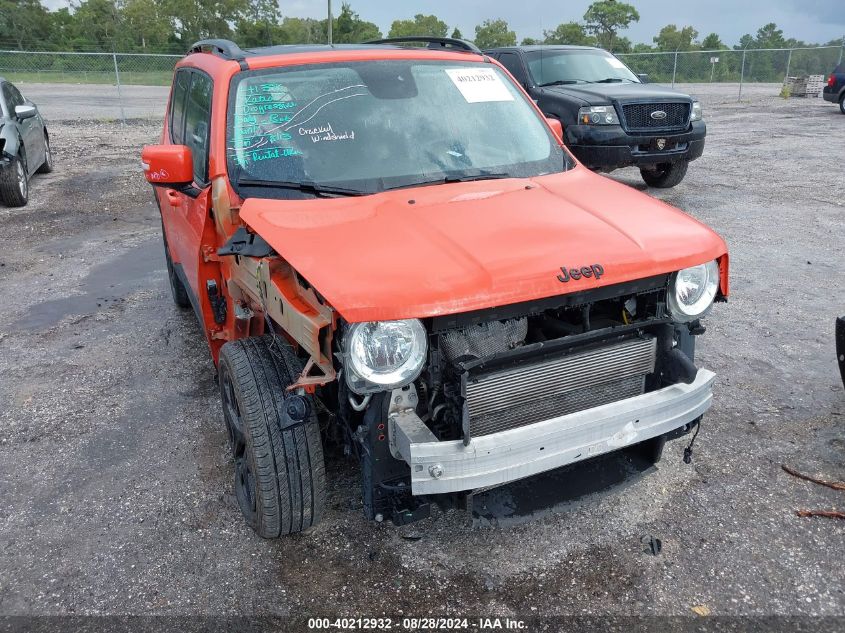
174,197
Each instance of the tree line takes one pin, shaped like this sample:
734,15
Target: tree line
169,26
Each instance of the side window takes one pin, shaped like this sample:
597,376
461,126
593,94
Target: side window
197,123
514,66
177,107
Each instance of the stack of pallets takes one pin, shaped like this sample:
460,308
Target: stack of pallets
806,86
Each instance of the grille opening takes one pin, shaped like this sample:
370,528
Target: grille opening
546,384
637,117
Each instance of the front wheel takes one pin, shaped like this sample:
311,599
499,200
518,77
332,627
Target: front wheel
280,479
14,185
666,175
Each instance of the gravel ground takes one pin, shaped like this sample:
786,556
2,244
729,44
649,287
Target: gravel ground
116,492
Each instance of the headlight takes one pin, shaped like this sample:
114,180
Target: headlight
598,115
383,355
697,112
692,290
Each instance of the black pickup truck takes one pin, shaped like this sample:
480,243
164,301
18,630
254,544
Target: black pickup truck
611,117
834,91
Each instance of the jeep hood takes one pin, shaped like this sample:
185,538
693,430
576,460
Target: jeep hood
452,248
601,94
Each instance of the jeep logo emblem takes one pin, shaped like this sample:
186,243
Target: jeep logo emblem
596,270
658,115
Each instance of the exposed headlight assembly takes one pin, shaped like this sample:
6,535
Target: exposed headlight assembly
692,291
598,115
697,112
383,355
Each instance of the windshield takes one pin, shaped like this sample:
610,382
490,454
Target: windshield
577,66
372,126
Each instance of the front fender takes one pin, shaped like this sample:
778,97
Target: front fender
9,141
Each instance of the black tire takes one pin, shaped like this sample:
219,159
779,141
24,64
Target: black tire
665,176
177,288
280,480
47,166
14,183
842,103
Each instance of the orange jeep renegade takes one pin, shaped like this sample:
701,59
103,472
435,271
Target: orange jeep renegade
389,248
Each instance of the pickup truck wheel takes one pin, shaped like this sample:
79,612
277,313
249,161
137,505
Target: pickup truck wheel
177,288
842,103
274,435
666,175
14,185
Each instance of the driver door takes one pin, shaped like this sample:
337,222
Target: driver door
184,213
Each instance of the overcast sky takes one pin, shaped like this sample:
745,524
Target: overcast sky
807,20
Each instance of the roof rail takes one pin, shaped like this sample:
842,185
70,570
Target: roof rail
433,42
224,48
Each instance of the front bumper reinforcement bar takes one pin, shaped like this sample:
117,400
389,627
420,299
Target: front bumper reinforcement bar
489,460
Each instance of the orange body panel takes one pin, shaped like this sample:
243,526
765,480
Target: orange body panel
431,250
446,249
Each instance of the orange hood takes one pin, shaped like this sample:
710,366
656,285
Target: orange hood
452,248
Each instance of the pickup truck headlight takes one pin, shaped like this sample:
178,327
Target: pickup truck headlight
692,291
697,112
598,115
384,355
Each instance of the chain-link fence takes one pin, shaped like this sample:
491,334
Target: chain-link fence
119,75
740,67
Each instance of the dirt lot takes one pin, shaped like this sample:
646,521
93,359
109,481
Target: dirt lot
116,492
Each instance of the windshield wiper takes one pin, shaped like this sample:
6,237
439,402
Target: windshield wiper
611,80
562,82
451,179
305,185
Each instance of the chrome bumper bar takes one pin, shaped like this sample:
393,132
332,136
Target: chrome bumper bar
489,460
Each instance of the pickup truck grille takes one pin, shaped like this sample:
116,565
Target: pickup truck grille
531,392
637,116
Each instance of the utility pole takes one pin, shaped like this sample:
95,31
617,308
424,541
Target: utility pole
330,22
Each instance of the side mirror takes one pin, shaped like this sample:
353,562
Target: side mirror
557,127
643,77
25,112
168,165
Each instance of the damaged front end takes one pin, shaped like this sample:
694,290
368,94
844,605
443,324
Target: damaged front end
510,392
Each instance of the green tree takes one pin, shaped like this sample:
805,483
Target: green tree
605,18
493,33
96,24
568,33
24,23
199,19
769,36
529,41
671,38
303,31
420,25
456,34
349,28
712,43
258,25
145,26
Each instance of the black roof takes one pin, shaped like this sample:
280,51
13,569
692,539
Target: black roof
229,50
543,47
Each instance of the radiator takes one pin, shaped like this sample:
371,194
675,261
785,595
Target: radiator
530,392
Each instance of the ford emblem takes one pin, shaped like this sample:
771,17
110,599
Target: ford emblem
658,115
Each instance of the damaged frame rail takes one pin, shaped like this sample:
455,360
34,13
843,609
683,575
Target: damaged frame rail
262,278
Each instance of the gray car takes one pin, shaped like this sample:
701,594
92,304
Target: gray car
24,145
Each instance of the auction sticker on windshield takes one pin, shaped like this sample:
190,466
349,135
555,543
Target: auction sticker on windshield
478,85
